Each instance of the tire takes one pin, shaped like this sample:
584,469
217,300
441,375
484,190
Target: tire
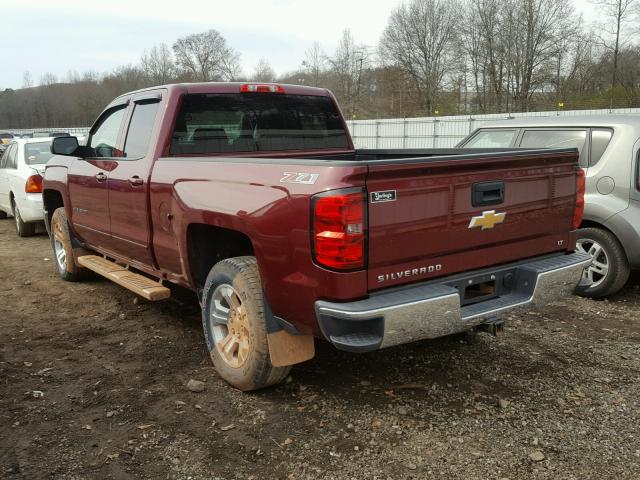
23,229
65,256
3,215
610,270
237,338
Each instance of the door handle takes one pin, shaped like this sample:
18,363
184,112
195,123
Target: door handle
101,177
136,181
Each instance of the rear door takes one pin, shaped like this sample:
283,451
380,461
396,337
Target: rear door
88,179
438,216
4,179
129,182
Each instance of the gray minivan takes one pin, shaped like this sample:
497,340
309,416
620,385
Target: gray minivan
609,147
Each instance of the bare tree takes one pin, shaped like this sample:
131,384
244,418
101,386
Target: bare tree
263,72
314,62
618,12
486,36
27,80
419,40
346,66
206,57
157,64
540,27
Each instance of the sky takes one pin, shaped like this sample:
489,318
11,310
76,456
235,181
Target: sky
59,36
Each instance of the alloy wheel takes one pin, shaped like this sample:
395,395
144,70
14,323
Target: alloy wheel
58,246
597,271
230,326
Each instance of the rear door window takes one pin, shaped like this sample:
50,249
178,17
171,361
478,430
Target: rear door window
11,161
600,138
492,139
249,122
4,157
140,127
565,138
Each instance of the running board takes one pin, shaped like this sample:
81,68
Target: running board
143,286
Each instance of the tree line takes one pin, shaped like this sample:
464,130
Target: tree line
435,57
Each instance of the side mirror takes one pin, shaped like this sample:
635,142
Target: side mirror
65,146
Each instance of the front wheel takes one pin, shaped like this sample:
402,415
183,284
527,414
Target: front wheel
235,327
609,269
63,250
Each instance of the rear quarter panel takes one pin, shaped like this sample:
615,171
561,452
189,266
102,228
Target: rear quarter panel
248,196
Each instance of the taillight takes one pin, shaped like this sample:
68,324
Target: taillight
339,227
34,184
259,88
579,210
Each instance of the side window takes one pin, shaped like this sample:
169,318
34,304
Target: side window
140,127
539,138
103,140
11,157
600,138
491,139
3,158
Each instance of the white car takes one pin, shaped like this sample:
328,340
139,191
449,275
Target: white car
21,169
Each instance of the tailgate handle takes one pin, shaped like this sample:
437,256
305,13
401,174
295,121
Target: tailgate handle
487,193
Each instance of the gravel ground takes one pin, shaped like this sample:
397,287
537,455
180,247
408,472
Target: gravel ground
93,385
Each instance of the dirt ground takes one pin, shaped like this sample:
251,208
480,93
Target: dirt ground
92,385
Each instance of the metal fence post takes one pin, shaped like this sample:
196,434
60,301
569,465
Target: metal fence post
435,133
404,133
377,134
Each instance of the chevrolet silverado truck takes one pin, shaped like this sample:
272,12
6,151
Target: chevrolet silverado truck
254,197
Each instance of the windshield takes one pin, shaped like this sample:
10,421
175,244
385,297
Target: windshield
247,122
491,139
37,153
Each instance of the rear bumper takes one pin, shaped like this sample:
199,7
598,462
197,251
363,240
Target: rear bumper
31,207
434,309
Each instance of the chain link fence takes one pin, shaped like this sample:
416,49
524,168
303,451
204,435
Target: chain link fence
442,132
69,130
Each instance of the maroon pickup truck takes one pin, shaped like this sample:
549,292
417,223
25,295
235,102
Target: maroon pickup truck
254,197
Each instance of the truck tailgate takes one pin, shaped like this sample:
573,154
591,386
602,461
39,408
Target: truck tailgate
423,223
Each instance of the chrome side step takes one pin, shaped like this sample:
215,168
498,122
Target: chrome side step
143,286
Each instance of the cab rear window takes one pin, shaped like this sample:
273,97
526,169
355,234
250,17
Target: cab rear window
250,122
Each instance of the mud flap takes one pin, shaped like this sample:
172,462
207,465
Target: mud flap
287,346
286,349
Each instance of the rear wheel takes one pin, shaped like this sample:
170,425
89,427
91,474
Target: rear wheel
235,327
3,215
23,229
609,269
64,252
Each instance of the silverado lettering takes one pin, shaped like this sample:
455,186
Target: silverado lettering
254,197
409,273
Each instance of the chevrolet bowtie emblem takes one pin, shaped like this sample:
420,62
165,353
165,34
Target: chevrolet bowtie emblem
487,220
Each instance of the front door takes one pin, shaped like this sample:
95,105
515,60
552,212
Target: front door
129,183
88,180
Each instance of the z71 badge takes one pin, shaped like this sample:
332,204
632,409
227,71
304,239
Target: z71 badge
300,177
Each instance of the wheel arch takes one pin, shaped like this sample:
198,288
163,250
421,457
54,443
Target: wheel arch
52,200
209,244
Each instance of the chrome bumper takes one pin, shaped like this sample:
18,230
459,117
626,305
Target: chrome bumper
434,309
